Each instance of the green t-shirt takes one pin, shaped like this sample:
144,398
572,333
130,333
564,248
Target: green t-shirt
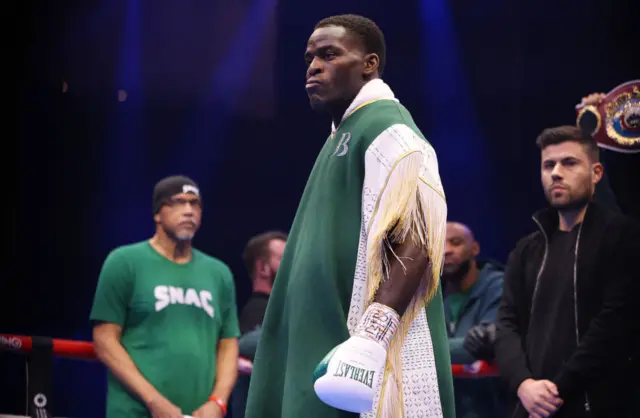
172,317
456,303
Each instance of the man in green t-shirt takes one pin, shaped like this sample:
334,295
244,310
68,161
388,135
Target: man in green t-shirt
472,292
165,320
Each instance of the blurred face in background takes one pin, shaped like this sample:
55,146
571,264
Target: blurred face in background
460,250
268,266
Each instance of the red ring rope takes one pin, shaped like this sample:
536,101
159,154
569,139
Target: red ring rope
84,350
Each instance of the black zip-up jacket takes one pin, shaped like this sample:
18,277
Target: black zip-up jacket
599,378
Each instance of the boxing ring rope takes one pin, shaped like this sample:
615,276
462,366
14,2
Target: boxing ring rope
44,349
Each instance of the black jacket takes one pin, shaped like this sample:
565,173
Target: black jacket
253,312
601,374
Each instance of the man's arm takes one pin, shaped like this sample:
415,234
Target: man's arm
608,338
509,348
458,354
406,231
227,357
226,353
489,313
248,343
404,277
109,316
492,305
106,339
226,368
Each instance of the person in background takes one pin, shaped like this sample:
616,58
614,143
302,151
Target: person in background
261,257
165,320
472,292
618,191
567,323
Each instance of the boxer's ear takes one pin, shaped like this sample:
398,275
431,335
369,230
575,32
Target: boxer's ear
371,64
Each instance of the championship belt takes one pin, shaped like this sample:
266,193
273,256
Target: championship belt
615,122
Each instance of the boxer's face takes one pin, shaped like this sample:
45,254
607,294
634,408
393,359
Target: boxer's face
180,216
568,175
337,66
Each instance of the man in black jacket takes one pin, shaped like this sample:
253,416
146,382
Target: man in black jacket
568,337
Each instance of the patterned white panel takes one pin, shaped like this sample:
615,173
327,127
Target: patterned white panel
420,376
358,294
420,381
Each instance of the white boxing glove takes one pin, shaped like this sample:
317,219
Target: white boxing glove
346,377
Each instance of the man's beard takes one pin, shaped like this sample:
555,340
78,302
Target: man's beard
456,276
179,237
573,203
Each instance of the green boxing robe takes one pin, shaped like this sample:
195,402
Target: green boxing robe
375,178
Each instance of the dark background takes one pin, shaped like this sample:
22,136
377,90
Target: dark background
114,95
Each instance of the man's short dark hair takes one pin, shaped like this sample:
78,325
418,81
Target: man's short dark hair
369,33
560,134
258,248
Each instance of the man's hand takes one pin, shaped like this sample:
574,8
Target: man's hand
160,407
109,350
209,410
539,397
592,99
480,341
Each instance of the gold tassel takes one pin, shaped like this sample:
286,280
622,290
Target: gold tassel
409,208
391,404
